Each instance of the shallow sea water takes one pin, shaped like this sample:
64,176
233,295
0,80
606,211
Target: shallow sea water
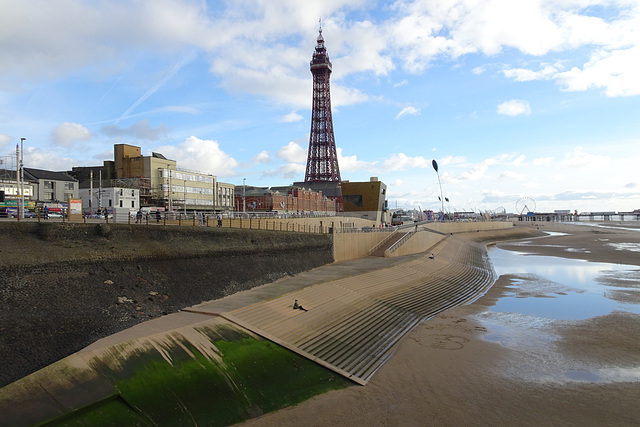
549,291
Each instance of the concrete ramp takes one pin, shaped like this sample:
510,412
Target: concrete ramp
352,324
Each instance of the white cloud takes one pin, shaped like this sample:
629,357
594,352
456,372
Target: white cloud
401,161
4,139
519,160
547,72
478,70
352,164
514,107
408,111
292,171
542,161
200,155
251,48
451,160
579,159
616,71
474,173
261,157
45,159
68,133
292,117
510,176
292,153
139,130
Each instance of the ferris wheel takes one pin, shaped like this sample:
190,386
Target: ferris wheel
525,205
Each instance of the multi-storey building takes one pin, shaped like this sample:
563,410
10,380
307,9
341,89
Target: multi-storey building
160,182
12,189
288,199
366,199
110,198
52,187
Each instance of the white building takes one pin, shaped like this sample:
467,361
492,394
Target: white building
114,199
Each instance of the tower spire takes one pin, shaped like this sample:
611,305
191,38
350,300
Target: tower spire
322,159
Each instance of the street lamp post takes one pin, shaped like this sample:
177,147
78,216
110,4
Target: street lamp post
435,166
18,195
21,212
244,200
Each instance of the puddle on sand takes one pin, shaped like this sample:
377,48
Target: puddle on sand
574,289
547,292
632,247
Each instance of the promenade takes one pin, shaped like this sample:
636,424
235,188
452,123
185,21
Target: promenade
358,311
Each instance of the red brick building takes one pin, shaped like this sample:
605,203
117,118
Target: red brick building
282,200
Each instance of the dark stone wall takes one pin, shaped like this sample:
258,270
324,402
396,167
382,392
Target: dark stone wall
63,286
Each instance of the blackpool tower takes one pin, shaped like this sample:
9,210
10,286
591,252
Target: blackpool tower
322,160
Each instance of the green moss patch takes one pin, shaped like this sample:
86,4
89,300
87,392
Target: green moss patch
246,377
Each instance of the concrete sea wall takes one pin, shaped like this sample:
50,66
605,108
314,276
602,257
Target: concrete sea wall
63,286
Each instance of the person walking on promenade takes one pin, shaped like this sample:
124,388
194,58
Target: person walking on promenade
138,216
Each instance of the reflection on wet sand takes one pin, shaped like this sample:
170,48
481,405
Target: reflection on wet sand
549,304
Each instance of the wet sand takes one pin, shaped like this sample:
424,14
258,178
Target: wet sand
448,371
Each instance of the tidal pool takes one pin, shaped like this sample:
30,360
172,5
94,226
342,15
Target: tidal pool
550,297
565,289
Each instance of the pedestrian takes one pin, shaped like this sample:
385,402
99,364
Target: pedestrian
157,216
139,216
219,220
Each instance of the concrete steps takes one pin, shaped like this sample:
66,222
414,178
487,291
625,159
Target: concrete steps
387,244
352,324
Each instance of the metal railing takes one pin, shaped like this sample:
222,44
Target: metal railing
400,241
383,241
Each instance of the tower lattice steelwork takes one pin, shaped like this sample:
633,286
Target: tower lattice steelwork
322,160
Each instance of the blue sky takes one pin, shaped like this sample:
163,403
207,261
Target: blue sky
512,98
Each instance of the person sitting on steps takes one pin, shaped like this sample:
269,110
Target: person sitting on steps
297,306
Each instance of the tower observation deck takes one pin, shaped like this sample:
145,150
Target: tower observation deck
322,160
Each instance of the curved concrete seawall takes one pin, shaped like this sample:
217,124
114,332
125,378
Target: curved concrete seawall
63,286
210,370
357,245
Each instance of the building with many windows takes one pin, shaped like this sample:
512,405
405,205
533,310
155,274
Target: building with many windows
160,182
113,199
283,200
224,201
11,191
51,187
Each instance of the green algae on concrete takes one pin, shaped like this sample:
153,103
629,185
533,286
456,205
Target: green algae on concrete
180,381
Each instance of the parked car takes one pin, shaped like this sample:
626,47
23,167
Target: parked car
55,215
27,214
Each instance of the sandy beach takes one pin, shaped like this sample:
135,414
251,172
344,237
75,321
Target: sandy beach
451,371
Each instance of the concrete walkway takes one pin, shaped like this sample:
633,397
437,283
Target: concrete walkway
269,291
357,310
